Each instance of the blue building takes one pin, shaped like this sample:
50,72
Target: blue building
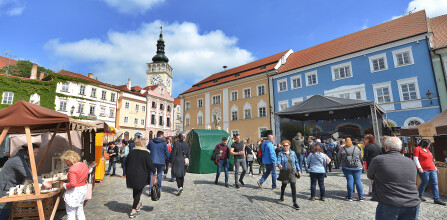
389,63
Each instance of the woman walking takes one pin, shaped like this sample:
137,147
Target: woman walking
371,150
250,156
316,161
76,186
427,171
350,157
169,144
138,165
124,153
180,161
288,165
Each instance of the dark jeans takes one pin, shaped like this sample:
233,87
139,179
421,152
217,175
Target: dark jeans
112,163
136,197
243,164
166,167
426,177
250,167
123,165
302,162
314,177
387,212
180,181
4,213
261,166
293,187
329,166
159,170
272,169
353,177
224,164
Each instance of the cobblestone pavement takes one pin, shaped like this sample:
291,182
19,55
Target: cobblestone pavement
202,199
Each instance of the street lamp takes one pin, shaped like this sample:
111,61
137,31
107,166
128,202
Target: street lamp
429,95
72,109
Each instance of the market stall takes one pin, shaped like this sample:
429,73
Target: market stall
104,132
23,117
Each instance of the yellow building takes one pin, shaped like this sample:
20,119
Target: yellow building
237,98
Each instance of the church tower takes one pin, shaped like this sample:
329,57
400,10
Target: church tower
159,72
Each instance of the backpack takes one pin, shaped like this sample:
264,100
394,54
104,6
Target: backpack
215,156
352,160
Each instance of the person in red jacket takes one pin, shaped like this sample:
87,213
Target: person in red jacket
76,186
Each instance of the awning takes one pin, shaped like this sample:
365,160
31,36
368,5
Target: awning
82,125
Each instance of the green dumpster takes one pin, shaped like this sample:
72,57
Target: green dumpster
202,143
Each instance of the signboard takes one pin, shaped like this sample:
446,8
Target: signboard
427,131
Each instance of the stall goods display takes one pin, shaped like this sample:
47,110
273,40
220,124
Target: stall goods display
440,164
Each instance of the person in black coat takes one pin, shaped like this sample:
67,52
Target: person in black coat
180,160
371,150
138,166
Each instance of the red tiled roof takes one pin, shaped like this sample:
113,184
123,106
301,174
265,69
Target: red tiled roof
20,77
134,90
400,28
4,61
176,101
244,71
438,25
80,76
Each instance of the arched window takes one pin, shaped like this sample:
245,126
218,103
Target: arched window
35,99
234,113
262,109
187,119
247,111
413,121
200,118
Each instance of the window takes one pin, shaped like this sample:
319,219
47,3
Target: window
282,85
296,82
216,99
358,95
344,96
311,78
199,120
378,63
283,105
65,87
169,108
112,113
63,106
383,95
341,71
160,121
153,119
262,112
92,110
247,93
234,132
80,108
143,108
104,95
137,107
103,112
135,121
126,120
112,97
168,122
126,105
413,121
93,93
186,121
247,113
408,91
234,96
82,90
199,103
154,105
142,122
162,107
403,57
297,101
7,98
188,106
234,115
261,90
261,130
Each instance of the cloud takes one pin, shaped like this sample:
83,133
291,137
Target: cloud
365,24
121,55
132,6
11,7
432,8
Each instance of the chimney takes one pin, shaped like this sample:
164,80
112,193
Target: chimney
33,72
129,84
42,74
90,75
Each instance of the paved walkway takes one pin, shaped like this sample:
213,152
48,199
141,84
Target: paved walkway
202,199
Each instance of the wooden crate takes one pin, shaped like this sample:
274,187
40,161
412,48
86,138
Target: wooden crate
28,209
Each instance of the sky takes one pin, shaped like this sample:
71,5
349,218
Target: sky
114,39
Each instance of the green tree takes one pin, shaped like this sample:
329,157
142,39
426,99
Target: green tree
23,69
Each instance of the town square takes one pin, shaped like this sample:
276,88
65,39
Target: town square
168,109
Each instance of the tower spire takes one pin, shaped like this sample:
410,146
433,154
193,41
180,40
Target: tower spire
160,56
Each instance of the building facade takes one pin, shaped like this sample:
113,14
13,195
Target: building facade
178,125
388,63
236,100
438,42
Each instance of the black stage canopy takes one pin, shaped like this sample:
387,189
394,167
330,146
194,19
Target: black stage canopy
320,107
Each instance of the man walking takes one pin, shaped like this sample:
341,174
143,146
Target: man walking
238,150
113,157
394,183
224,155
269,160
298,147
159,154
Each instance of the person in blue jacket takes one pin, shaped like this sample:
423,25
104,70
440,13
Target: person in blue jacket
290,169
269,160
159,154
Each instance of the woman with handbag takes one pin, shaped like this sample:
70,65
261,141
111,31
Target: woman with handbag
351,163
139,165
289,171
250,156
180,161
316,161
76,186
123,155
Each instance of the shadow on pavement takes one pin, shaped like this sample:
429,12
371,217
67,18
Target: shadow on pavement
168,189
265,199
124,207
203,182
